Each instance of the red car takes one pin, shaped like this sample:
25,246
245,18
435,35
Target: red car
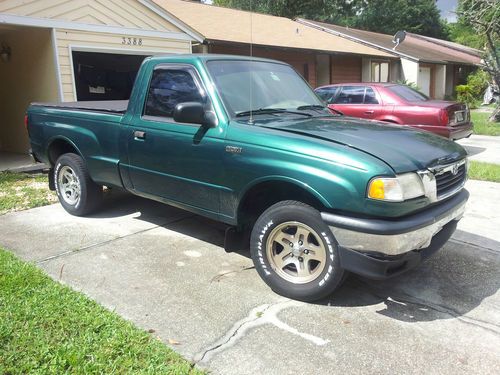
398,104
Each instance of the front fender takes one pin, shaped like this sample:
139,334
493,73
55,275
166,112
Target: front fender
277,178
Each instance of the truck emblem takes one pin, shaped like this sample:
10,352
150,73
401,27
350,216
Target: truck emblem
454,170
234,149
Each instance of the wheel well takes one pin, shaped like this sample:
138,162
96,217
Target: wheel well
58,148
265,194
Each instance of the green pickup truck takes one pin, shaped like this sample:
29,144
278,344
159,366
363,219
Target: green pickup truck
245,141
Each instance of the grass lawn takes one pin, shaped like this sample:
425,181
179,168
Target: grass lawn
481,124
20,191
46,327
484,171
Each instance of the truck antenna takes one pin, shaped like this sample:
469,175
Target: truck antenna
250,119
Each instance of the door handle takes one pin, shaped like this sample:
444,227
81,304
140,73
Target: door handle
369,112
139,134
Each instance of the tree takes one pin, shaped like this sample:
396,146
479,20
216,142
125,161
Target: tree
484,18
385,16
317,10
388,16
462,33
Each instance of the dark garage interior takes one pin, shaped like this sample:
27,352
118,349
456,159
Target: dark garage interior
105,76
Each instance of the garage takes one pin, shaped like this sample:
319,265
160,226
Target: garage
104,76
80,50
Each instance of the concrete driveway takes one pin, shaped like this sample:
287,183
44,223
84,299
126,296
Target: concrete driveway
165,270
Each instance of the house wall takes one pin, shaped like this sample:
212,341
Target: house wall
29,76
322,70
366,73
396,71
450,80
303,62
410,70
346,69
440,81
68,40
126,13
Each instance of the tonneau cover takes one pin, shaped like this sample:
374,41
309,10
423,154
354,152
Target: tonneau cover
112,106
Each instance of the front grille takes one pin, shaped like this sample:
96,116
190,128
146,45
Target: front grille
448,182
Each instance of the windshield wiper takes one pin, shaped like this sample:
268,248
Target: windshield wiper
310,106
319,107
263,111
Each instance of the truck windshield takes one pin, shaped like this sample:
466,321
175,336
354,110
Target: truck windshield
262,86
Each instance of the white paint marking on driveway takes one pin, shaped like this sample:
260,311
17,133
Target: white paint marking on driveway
261,315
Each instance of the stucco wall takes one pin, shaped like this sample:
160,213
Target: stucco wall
410,70
28,76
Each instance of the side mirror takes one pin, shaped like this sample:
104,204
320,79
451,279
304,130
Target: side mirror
194,113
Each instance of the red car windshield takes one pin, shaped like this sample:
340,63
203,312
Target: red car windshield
408,94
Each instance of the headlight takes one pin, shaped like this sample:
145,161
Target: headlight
396,189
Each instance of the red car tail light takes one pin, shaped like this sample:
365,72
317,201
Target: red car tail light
26,121
444,118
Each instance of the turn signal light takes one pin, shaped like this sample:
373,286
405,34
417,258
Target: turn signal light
376,190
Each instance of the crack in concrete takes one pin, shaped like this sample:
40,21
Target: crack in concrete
260,315
221,276
91,246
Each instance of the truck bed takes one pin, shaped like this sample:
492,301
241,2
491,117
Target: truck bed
107,106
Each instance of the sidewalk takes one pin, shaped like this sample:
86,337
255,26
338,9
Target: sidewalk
483,148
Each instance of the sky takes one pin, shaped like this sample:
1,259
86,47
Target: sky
447,7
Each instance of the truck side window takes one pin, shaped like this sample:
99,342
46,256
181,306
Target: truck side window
169,87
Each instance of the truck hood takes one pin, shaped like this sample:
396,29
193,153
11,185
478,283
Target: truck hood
402,148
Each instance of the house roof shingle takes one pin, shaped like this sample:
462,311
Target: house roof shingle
414,46
231,25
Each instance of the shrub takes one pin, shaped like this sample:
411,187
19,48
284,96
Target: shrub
464,95
472,92
478,82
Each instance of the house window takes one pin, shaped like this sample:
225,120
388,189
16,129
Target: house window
380,71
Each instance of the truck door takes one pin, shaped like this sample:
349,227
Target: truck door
174,162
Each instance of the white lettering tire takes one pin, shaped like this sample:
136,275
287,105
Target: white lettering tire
295,252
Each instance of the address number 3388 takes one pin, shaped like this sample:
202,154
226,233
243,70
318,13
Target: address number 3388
132,41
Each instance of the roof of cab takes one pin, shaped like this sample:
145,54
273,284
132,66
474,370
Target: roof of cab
209,57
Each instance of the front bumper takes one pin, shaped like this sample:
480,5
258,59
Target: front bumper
391,246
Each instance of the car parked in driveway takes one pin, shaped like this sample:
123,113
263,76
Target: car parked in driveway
399,104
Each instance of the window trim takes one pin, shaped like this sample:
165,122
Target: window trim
388,70
193,72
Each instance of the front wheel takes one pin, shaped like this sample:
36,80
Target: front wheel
77,193
295,252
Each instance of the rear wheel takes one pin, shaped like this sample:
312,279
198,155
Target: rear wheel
295,252
77,193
